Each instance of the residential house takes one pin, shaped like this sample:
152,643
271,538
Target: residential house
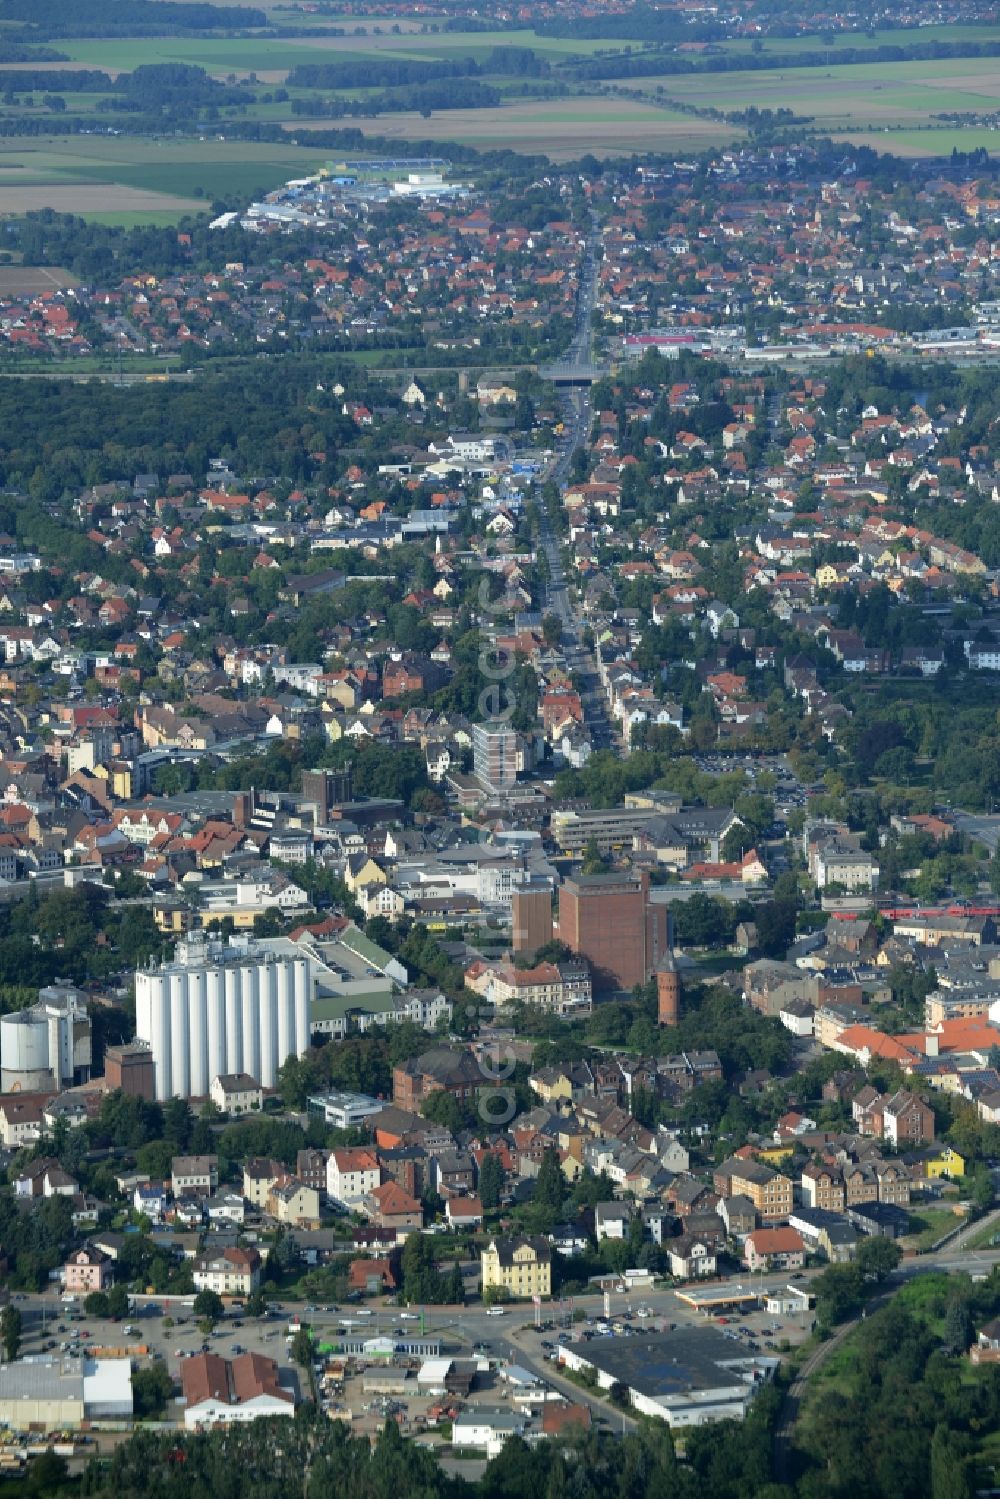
194,1175
690,1257
774,1249
259,1175
234,1272
236,1093
87,1269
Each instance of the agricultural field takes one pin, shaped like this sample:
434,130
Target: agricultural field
271,59
853,98
32,280
928,142
885,105
861,41
107,202
124,180
561,129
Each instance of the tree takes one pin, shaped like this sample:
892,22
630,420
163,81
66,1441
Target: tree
593,859
775,927
949,1472
178,1122
839,1292
47,1473
957,1333
421,1279
208,1305
117,1303
982,1193
550,1184
256,1304
152,1387
301,1348
877,1258
456,1286
96,1304
443,1108
10,1332
490,1181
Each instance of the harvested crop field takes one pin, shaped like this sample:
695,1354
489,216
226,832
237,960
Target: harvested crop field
850,97
31,280
92,201
561,129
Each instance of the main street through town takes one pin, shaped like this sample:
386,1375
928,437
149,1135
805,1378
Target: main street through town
580,661
507,1334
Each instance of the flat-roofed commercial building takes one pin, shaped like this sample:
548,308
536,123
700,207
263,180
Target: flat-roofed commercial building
687,1377
611,830
50,1394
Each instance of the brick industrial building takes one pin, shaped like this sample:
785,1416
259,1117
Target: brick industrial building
531,917
609,920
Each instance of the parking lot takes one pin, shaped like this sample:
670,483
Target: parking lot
366,1390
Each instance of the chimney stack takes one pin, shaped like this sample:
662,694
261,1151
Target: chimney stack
668,991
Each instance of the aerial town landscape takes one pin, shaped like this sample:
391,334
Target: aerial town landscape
499,749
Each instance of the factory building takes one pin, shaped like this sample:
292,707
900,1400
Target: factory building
222,1008
50,1394
687,1377
47,1046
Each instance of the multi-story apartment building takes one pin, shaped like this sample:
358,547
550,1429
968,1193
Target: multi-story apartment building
770,1192
197,1174
561,988
517,1267
352,1174
234,1272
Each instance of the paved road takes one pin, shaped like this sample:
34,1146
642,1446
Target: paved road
988,1220
468,1324
579,661
460,1329
984,829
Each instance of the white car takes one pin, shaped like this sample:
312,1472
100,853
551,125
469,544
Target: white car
409,1317
495,1311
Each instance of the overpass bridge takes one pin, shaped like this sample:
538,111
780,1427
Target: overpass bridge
573,373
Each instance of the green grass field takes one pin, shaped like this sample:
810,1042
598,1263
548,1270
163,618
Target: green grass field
930,142
929,1225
